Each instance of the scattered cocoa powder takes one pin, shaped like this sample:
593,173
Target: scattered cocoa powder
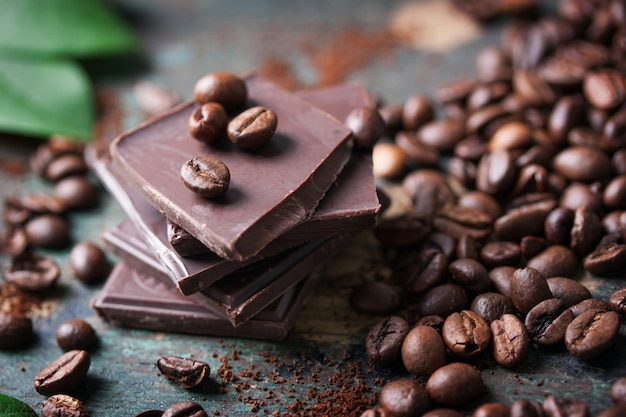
18,302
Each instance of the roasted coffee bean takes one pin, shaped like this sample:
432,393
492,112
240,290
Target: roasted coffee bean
532,246
604,89
384,341
404,230
577,194
455,90
426,270
532,88
33,272
392,116
77,193
429,191
528,288
525,219
458,221
582,163
15,330
592,333
443,412
462,171
404,398
526,408
501,253
415,151
555,261
493,64
568,290
510,340
376,297
443,300
436,322
470,274
618,391
466,334
89,263
423,351
14,212
443,242
470,148
48,231
512,135
532,178
618,162
496,172
42,203
388,160
611,222
206,176
367,126
582,136
491,410
491,306
442,134
565,406
614,195
185,409
558,225
13,240
455,384
546,322
207,123
75,334
467,247
500,278
617,300
481,201
252,128
64,375
477,121
586,231
606,259
567,113
589,304
62,405
224,88
188,373
416,112
66,165
486,94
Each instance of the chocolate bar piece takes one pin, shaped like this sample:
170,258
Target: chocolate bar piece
134,299
271,189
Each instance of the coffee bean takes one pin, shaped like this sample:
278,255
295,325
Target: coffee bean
455,90
493,64
384,341
64,375
491,410
77,193
429,191
618,391
532,88
546,322
577,194
567,113
443,300
491,306
48,231
525,219
501,253
423,351
617,300
510,340
582,163
582,136
589,304
458,221
614,195
568,290
604,89
404,398
592,333
426,270
466,334
206,176
75,334
42,203
586,231
392,116
531,246
152,98
388,160
208,122
442,134
66,165
555,261
404,230
415,151
470,274
62,405
558,225
455,384
185,409
481,201
500,278
33,272
470,148
496,172
565,406
606,259
512,135
226,89
486,94
462,171
15,330
528,288
375,297
436,322
442,242
416,112
526,408
367,126
253,127
89,263
188,373
467,247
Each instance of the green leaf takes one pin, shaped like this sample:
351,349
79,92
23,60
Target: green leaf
62,27
41,97
11,407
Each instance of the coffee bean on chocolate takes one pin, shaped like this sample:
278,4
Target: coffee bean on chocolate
77,193
426,270
48,231
89,262
492,305
367,126
15,330
501,253
491,410
62,405
404,398
617,300
528,288
466,334
33,272
188,373
206,176
565,406
226,89
416,112
66,165
252,128
568,290
510,340
185,409
443,300
618,391
375,297
555,261
470,274
455,384
64,375
423,351
384,341
546,322
208,122
592,333
75,334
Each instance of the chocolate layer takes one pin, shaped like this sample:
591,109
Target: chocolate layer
133,299
271,190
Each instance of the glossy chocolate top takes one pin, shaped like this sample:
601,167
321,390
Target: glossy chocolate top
271,189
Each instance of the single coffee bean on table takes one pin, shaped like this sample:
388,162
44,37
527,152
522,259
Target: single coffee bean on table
188,373
64,375
492,410
89,262
206,176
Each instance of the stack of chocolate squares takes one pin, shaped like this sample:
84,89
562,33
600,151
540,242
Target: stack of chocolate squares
243,264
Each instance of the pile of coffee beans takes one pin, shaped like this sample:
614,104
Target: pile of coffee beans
516,191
